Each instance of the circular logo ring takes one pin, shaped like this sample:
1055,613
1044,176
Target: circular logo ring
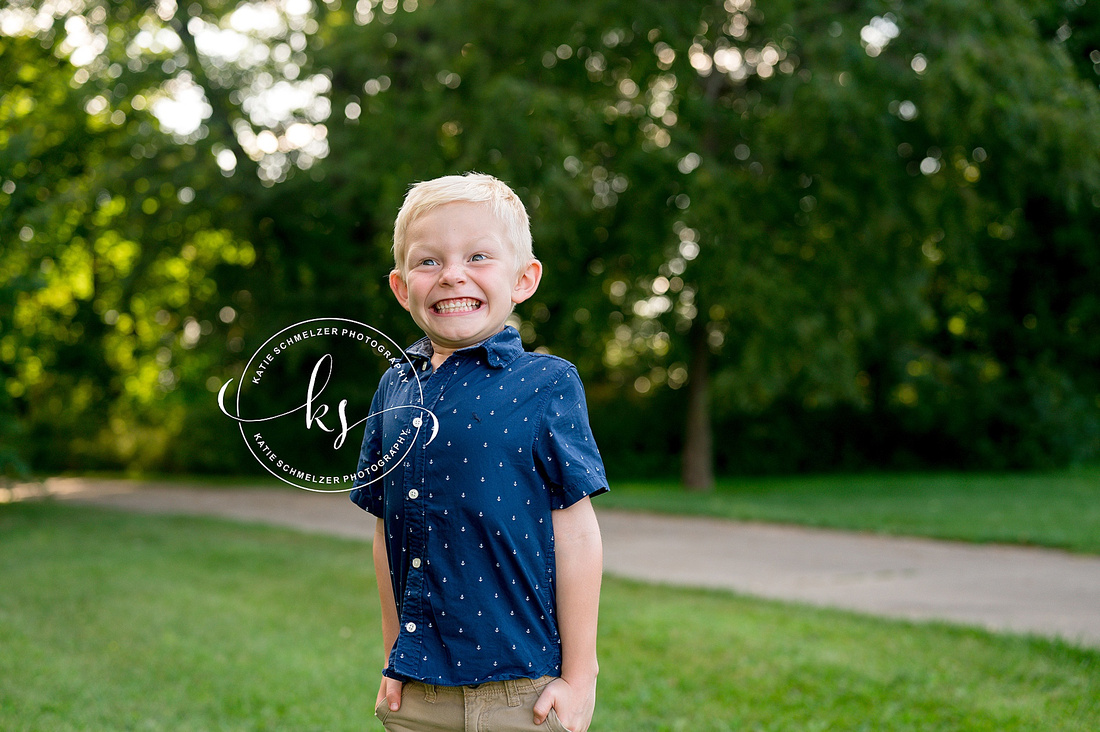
376,340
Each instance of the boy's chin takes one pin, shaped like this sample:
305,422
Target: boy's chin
456,341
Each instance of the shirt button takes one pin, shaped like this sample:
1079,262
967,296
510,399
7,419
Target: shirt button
411,627
414,494
416,563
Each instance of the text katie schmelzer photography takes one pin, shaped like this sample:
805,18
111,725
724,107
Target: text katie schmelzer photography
277,371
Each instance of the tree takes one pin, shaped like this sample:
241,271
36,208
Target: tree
837,192
781,236
113,254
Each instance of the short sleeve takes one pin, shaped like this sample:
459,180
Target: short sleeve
367,486
565,450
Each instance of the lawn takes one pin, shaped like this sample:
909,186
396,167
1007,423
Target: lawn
1056,509
114,621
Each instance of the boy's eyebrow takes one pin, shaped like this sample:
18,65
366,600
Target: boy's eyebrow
419,247
430,244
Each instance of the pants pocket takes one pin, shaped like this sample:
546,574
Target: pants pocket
382,710
553,724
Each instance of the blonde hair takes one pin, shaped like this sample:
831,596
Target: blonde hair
469,188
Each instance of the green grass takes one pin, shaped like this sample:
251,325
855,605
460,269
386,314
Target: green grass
1056,509
112,621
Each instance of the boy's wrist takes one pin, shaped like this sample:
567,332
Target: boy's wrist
581,676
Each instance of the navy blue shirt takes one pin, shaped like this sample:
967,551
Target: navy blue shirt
466,507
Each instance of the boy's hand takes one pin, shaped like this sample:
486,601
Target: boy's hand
574,704
390,690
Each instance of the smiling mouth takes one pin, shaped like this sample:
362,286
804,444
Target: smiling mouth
458,305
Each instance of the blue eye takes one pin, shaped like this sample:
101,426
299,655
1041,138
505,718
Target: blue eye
478,258
429,262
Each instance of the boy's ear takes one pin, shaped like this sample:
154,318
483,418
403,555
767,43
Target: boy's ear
528,282
400,288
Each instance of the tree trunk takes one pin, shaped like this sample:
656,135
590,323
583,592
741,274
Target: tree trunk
698,457
697,469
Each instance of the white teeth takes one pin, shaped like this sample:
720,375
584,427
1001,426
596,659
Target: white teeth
457,306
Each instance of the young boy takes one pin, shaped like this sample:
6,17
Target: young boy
484,526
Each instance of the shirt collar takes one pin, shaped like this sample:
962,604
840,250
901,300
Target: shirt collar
500,349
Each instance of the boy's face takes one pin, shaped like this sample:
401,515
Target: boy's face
461,276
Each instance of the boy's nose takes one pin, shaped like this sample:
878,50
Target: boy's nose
453,273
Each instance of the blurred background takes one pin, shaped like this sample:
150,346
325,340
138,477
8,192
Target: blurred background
779,236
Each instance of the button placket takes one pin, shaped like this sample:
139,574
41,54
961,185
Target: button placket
413,612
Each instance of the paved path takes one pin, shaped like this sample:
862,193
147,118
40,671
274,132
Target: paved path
1017,589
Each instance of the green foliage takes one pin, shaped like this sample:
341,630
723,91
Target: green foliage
866,230
113,271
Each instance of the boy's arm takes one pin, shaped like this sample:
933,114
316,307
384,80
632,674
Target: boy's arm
578,551
389,688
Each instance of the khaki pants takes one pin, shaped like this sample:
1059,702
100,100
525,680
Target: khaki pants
498,706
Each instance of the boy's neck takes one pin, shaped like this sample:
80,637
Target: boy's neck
439,356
